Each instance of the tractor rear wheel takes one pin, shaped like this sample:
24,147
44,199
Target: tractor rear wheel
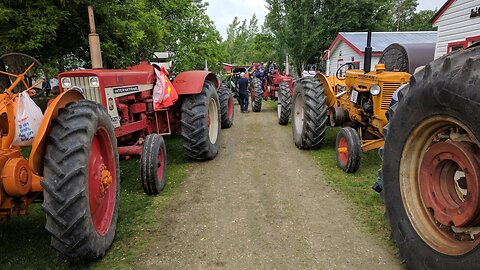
349,150
257,95
81,182
226,106
153,164
309,115
431,165
201,123
284,104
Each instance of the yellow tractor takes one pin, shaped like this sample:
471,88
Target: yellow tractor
72,168
357,101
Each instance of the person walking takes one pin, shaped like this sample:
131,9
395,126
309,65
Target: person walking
243,89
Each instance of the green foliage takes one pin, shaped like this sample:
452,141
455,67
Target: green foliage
402,12
306,28
420,21
56,31
245,43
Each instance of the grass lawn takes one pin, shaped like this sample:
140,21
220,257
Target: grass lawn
24,243
355,188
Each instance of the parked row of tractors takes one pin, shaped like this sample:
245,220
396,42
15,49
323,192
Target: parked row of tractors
101,115
429,143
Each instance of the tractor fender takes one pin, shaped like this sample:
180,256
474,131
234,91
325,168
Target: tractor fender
328,88
191,82
38,146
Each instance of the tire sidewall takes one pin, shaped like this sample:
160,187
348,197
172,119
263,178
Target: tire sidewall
297,137
212,94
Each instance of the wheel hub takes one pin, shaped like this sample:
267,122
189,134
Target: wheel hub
450,183
343,150
106,179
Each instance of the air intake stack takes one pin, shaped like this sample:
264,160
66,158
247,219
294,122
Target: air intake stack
367,63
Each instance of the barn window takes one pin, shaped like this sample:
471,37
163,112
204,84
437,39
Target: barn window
454,46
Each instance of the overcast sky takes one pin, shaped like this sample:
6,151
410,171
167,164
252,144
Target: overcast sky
222,12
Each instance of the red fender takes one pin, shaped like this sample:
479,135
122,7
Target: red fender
191,82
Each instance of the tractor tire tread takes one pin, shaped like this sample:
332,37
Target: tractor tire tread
66,180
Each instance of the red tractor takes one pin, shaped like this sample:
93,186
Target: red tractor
277,87
140,122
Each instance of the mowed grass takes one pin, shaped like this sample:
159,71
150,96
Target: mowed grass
355,188
24,243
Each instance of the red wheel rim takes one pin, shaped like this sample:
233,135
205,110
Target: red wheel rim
342,150
230,108
102,177
161,164
450,185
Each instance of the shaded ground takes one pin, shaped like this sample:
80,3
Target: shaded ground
260,204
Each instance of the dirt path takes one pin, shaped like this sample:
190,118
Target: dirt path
261,204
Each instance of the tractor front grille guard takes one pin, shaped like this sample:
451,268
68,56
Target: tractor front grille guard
91,93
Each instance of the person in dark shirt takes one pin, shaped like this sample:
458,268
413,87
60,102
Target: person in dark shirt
243,89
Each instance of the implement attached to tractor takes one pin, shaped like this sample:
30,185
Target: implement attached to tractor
356,101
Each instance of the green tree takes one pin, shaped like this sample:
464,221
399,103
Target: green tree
306,28
56,31
402,12
421,21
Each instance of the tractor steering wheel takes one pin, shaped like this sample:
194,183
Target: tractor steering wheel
28,69
350,66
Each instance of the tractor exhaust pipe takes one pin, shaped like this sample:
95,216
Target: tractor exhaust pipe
94,41
368,54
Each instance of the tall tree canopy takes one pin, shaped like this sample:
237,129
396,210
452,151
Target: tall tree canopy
304,29
56,31
307,27
246,43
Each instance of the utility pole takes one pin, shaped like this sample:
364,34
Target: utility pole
94,41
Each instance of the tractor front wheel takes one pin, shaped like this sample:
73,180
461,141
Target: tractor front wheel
226,106
201,123
309,115
81,182
153,164
257,95
349,150
284,104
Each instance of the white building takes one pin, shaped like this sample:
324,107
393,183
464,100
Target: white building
458,23
349,47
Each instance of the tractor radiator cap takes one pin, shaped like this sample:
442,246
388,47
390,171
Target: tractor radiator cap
407,57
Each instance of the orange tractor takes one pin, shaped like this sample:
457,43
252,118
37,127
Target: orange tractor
72,168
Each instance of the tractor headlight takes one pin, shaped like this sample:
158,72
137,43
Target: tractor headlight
94,82
375,89
66,83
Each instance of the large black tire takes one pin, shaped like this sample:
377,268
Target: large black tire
201,123
309,114
67,185
153,164
348,138
445,92
257,95
284,104
226,106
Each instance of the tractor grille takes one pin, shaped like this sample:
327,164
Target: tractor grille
91,93
387,94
